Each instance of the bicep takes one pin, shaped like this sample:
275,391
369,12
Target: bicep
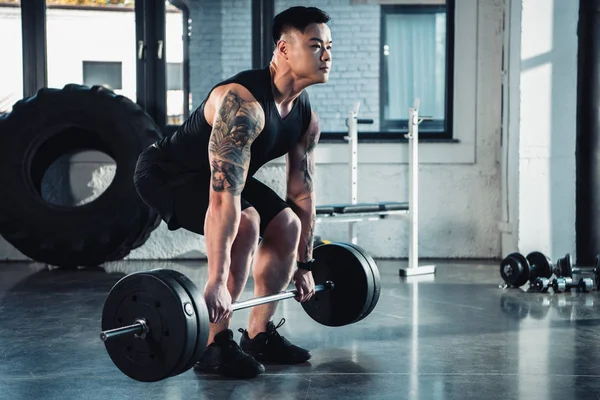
236,125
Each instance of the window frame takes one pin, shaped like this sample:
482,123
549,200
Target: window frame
428,129
185,15
150,25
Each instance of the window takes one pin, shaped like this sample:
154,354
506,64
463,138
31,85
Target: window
176,41
11,70
416,59
81,49
107,74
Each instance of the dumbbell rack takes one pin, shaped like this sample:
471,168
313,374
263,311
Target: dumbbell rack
516,270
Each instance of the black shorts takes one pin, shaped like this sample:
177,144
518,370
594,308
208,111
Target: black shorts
181,199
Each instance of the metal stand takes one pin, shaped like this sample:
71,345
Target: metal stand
413,191
413,194
353,139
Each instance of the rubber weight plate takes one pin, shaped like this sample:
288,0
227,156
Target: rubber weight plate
566,266
353,280
190,311
163,306
376,279
201,313
541,263
514,269
376,284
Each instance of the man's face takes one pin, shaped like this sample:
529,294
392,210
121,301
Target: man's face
309,53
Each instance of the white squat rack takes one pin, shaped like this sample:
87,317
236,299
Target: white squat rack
354,212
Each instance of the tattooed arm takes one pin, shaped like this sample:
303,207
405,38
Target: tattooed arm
238,120
300,190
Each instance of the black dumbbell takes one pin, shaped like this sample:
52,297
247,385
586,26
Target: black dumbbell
566,284
562,284
564,268
541,285
516,269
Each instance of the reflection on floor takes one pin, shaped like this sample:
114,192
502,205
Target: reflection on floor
449,336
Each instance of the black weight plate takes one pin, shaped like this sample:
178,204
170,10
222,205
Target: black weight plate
202,318
567,266
376,279
373,287
145,295
559,268
189,308
523,267
541,263
514,269
353,291
510,270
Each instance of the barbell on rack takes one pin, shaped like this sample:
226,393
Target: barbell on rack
155,323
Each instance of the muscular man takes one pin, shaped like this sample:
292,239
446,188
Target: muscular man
201,179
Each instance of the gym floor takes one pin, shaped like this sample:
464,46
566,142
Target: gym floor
449,336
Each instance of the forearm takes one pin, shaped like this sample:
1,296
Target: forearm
222,222
304,207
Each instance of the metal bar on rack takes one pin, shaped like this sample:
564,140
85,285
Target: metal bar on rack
353,140
413,196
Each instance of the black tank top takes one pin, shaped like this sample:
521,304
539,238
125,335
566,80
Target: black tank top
187,148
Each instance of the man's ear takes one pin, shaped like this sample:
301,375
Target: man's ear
283,48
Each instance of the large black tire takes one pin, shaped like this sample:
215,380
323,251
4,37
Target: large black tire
48,125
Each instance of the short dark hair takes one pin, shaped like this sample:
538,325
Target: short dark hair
299,18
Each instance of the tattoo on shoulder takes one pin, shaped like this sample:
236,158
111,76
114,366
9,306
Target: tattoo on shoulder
236,126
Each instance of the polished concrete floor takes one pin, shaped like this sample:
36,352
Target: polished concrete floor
455,335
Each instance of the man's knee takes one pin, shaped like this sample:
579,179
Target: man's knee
249,229
283,232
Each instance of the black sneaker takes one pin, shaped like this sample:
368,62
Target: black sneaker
225,357
271,348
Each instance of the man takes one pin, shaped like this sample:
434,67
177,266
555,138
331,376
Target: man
201,179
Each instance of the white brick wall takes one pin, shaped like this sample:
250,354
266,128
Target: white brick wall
205,48
220,45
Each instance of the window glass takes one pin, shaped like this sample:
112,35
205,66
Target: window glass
414,62
109,74
81,49
175,28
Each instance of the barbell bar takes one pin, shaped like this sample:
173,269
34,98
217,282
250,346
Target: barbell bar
141,327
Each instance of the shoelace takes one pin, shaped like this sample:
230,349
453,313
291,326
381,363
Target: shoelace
273,330
275,336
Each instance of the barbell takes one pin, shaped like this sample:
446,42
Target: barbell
155,323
